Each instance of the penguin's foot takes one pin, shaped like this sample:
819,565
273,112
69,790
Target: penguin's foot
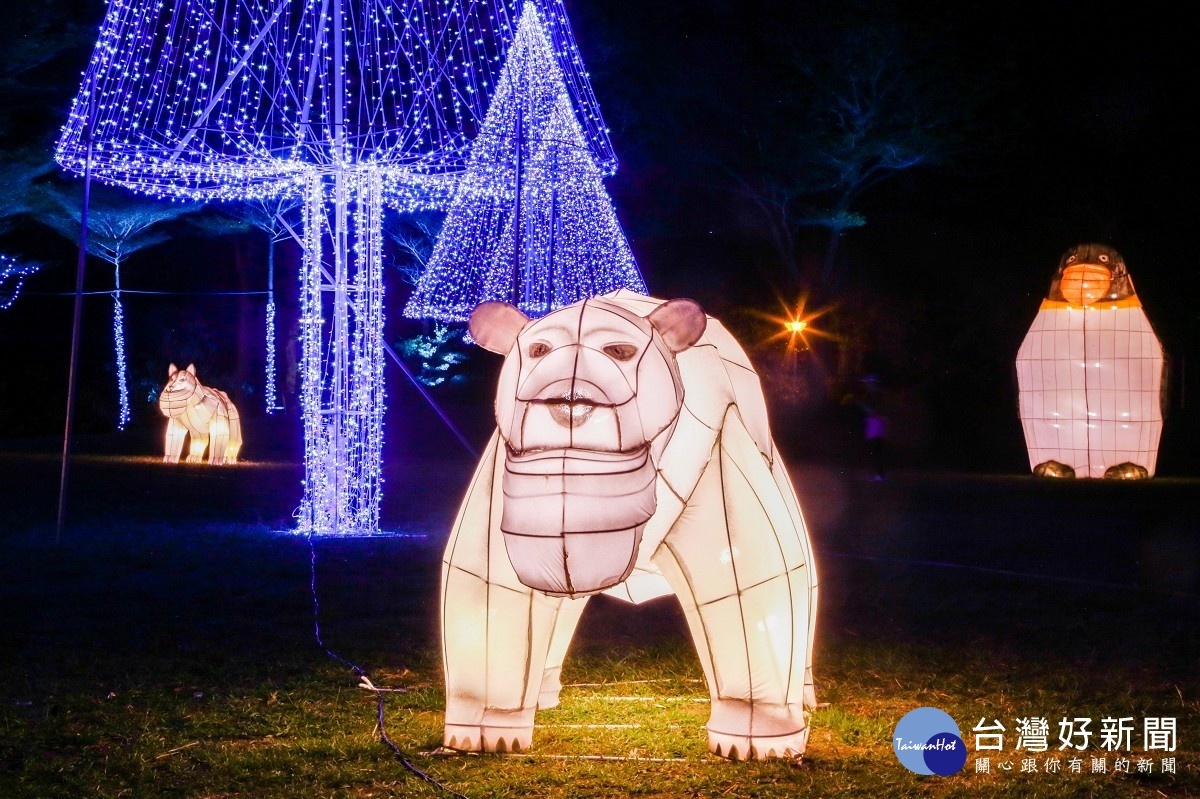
1126,471
1053,469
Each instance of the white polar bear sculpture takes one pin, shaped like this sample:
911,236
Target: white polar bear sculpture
632,455
206,414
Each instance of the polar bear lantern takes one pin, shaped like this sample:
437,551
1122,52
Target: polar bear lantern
633,456
1090,373
205,414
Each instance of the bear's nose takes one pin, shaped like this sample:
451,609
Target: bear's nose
572,409
571,414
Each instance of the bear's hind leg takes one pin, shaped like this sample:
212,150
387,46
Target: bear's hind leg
235,435
740,565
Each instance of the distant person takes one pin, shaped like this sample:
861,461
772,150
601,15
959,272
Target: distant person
874,424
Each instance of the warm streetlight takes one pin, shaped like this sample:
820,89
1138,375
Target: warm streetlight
796,324
795,331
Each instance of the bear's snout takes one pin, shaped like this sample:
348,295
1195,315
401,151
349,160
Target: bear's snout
572,409
571,414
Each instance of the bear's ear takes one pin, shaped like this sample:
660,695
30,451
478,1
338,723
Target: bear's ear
680,322
495,325
171,370
192,369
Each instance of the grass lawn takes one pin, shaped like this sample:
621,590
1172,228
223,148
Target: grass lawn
166,644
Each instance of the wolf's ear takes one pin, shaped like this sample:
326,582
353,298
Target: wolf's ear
192,369
171,370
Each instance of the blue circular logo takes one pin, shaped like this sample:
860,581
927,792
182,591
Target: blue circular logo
927,741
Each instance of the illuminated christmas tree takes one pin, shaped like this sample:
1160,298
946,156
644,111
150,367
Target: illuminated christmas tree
530,223
346,105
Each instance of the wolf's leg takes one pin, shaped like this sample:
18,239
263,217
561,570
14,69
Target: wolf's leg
176,432
218,436
235,435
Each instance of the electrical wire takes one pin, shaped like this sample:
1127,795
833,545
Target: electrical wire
365,683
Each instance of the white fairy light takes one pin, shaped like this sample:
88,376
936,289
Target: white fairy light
269,393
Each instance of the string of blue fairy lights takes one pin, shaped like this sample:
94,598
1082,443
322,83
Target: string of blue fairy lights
124,413
236,100
13,272
269,393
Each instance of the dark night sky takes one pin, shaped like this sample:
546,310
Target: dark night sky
1088,139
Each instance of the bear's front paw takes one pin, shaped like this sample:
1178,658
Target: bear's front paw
499,731
480,738
757,747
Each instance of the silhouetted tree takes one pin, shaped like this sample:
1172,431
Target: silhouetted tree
119,224
413,236
279,219
848,96
861,114
21,169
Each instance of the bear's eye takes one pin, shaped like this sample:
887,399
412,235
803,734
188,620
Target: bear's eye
538,348
1103,259
620,352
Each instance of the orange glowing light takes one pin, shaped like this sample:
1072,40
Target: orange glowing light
796,324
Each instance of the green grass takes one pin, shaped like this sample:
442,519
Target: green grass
179,659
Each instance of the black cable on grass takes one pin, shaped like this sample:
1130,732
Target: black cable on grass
365,681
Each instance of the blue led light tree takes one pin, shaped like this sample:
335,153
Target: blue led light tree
347,105
530,222
117,228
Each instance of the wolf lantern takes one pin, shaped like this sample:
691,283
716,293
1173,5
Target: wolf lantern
632,456
206,414
1090,374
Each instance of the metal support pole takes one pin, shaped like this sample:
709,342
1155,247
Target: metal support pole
517,220
76,326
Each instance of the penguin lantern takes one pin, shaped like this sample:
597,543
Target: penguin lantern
1090,374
